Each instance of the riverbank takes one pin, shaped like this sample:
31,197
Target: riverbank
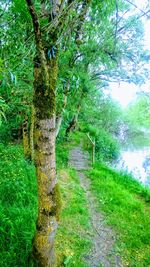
126,205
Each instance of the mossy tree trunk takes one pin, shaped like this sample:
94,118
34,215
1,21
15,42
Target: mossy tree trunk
45,78
73,123
44,103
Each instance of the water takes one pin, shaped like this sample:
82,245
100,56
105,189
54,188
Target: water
137,162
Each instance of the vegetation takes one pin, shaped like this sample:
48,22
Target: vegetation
136,118
138,112
18,205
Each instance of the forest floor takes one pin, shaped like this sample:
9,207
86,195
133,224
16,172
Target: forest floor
102,252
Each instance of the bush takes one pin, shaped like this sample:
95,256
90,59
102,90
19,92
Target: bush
107,147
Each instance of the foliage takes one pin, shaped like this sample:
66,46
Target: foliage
18,205
138,113
3,108
102,120
137,122
107,147
126,205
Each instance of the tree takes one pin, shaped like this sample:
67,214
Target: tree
113,51
45,80
138,113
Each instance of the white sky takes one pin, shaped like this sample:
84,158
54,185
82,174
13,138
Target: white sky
124,93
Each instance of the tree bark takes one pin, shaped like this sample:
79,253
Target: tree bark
45,78
48,193
73,122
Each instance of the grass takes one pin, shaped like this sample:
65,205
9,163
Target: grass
18,207
126,205
73,236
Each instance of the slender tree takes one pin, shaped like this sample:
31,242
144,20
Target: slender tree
45,80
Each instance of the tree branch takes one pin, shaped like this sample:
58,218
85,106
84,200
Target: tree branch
35,20
144,13
116,26
38,38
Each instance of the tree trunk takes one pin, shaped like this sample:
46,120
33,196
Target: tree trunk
48,193
73,122
45,77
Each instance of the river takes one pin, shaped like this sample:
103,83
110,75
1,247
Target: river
136,162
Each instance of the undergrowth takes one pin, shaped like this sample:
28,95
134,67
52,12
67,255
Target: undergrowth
18,207
126,205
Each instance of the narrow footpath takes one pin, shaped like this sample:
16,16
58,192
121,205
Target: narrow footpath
102,253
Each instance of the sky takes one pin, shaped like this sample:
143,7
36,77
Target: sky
125,93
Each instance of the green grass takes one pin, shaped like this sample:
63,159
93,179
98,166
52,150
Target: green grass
73,236
18,207
62,154
126,205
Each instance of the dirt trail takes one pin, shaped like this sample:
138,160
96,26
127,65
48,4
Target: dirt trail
102,253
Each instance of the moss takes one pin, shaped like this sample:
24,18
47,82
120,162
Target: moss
41,244
45,95
37,134
45,202
32,133
57,203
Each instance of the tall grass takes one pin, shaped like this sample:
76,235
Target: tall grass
18,207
